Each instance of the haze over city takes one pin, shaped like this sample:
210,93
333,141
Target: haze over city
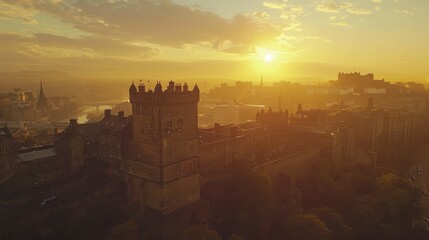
214,119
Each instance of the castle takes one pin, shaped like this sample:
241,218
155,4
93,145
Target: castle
162,160
162,156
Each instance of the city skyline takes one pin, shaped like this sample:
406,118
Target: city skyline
206,39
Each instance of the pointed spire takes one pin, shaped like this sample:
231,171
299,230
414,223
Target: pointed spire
133,88
42,103
41,88
262,81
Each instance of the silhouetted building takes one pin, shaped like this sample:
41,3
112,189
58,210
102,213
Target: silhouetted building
226,114
376,128
114,133
8,145
162,160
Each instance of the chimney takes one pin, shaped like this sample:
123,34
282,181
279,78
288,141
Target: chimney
299,108
170,87
107,112
73,122
217,128
185,87
121,114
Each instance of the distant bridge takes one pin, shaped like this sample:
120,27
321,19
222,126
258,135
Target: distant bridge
110,103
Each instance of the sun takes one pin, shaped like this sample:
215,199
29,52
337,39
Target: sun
268,57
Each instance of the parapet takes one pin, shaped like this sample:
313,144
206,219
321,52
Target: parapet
173,93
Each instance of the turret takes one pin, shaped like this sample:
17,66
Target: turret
170,87
133,90
158,87
142,88
185,87
196,89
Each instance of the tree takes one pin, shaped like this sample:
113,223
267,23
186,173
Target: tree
335,223
305,227
235,237
200,232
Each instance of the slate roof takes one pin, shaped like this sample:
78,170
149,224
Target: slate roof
206,137
113,124
38,154
5,134
109,125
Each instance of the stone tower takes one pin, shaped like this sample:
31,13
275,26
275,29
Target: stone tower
162,172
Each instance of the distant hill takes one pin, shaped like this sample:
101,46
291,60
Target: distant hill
33,75
30,80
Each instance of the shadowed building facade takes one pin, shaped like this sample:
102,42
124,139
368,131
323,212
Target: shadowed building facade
161,166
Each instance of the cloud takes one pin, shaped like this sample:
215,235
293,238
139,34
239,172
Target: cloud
332,7
405,12
359,11
329,7
339,20
16,12
160,22
241,50
341,24
275,5
101,46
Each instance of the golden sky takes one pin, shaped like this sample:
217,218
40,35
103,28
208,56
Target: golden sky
162,39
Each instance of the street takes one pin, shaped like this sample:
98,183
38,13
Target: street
420,172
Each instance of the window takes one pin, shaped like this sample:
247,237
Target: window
35,179
143,129
167,111
179,125
168,130
7,166
178,171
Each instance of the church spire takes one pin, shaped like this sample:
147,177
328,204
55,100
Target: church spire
262,81
42,102
41,93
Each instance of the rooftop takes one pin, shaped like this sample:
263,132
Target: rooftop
38,154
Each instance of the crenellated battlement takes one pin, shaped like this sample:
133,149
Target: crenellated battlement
175,93
355,76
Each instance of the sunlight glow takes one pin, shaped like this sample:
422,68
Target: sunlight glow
268,58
